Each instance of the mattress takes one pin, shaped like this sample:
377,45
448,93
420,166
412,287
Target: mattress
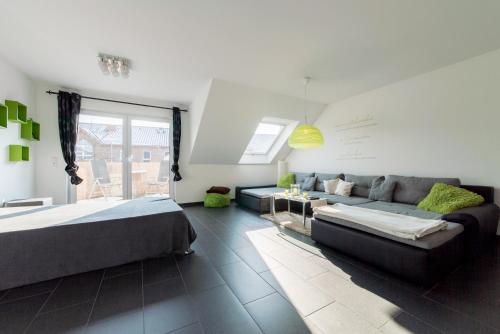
41,243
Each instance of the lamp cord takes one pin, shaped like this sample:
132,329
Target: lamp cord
306,83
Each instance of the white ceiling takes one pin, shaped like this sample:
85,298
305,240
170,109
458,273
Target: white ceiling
347,46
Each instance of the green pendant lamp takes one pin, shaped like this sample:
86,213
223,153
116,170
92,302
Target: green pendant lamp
305,135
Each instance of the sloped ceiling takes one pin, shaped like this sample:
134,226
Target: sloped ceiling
230,114
176,46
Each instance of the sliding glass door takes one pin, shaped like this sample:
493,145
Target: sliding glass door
121,157
150,157
99,154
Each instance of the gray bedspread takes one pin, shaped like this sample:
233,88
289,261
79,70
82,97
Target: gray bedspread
45,243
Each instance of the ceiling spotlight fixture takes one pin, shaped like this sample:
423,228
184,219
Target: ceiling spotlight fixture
113,65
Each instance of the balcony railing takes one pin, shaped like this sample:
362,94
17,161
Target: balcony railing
144,181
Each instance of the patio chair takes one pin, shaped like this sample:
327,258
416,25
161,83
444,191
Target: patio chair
101,179
161,180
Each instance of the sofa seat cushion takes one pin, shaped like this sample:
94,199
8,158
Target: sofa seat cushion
262,192
332,199
402,209
428,242
411,189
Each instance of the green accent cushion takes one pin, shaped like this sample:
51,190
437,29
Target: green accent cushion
214,200
445,198
286,180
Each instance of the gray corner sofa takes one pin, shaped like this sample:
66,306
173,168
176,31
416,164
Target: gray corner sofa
423,261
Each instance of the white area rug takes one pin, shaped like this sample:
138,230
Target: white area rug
291,221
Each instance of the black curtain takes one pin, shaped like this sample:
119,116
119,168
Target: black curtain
177,142
69,111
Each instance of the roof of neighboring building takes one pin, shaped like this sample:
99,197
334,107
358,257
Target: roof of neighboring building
113,134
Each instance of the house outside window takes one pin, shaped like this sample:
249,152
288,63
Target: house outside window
84,150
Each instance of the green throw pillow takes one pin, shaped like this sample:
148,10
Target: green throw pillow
214,200
286,180
445,198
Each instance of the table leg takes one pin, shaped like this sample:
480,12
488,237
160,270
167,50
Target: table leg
288,205
304,213
273,209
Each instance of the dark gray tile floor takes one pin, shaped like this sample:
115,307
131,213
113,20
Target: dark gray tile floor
246,276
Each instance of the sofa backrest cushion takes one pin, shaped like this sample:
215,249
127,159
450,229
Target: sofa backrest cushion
320,177
381,190
309,183
412,189
301,177
362,184
487,192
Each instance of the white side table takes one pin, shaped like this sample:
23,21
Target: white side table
40,201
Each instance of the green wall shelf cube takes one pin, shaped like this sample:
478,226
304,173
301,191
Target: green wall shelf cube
19,153
30,130
25,153
17,111
3,116
35,130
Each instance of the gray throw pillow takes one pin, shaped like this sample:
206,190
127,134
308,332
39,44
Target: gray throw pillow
362,184
381,190
309,183
300,178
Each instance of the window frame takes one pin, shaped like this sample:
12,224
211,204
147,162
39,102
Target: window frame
282,126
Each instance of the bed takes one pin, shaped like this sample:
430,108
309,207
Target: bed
42,243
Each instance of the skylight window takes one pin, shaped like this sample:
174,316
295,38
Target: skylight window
263,139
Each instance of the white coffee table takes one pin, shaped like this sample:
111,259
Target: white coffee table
300,199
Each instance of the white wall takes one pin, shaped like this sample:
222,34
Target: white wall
50,175
442,123
51,179
224,117
196,111
230,115
16,179
197,178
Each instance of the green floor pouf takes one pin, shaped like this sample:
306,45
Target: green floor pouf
213,200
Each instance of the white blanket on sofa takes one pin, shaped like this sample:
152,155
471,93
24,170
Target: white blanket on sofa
392,223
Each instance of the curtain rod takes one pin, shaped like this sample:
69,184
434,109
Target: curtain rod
117,101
